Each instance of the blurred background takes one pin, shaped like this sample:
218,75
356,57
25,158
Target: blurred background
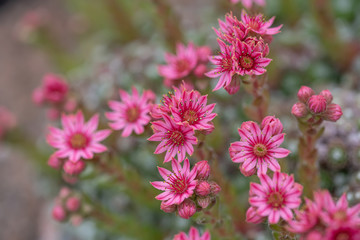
97,45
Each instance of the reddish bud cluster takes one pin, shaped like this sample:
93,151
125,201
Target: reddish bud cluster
68,206
316,108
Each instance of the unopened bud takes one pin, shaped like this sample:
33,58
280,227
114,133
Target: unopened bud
327,95
73,204
274,123
333,112
204,202
187,209
203,169
74,168
59,213
168,208
203,188
317,104
215,188
299,110
305,93
54,162
234,85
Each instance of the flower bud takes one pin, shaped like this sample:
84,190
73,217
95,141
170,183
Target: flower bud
333,112
274,123
234,85
204,202
202,188
54,162
317,104
215,188
73,204
59,213
305,93
203,169
168,208
64,192
247,173
327,95
187,209
74,168
76,220
252,216
299,110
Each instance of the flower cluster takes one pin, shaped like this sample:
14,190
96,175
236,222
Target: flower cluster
69,206
186,191
258,147
182,113
313,109
273,198
193,235
54,93
323,218
243,49
7,121
188,63
77,141
132,113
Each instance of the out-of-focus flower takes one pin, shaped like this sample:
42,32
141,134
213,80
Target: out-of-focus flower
54,89
77,139
131,114
178,185
175,139
74,168
258,148
7,121
327,219
248,3
68,206
274,198
193,235
188,61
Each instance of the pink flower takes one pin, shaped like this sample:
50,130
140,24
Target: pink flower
193,235
203,169
131,114
343,232
175,139
192,110
181,64
225,66
327,219
274,198
250,60
248,3
258,148
78,139
54,88
73,204
178,185
74,168
258,25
